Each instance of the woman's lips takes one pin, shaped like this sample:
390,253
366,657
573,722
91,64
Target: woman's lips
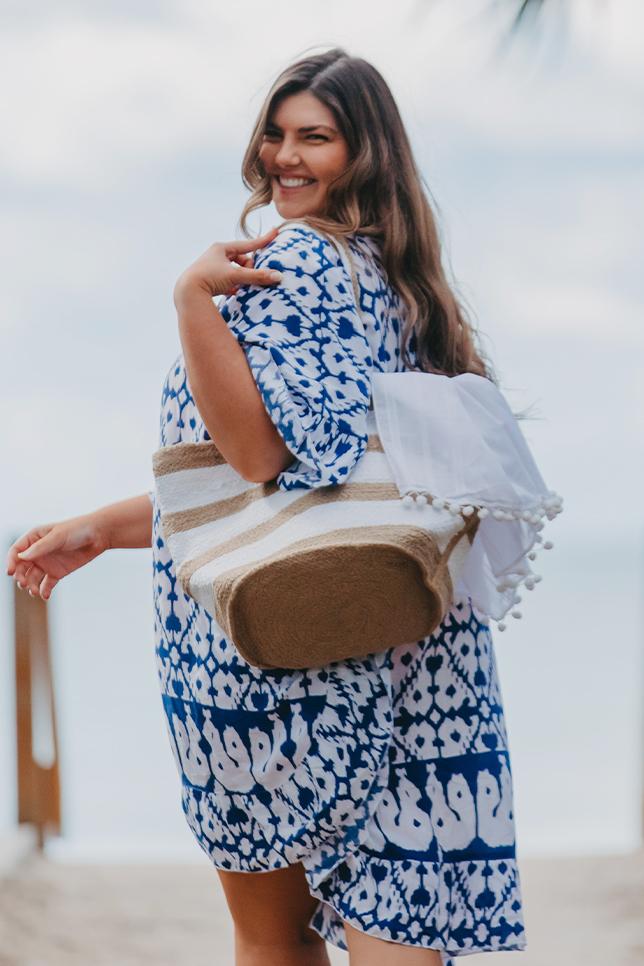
298,187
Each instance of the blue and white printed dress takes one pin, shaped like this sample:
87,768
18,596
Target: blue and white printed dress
387,776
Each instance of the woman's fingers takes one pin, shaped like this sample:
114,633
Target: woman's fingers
30,578
250,244
19,549
255,276
47,584
21,574
12,555
45,541
34,580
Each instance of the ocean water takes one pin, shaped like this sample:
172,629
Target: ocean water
572,680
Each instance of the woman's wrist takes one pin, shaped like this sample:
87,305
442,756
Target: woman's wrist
126,524
188,287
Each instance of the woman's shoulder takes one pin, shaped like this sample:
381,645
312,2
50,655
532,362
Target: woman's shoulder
298,244
302,232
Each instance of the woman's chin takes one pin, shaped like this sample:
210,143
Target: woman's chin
292,209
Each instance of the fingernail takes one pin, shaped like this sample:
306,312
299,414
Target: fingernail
275,276
25,553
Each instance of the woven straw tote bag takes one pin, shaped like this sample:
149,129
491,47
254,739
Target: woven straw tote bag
301,578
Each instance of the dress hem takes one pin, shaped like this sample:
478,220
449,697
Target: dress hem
446,953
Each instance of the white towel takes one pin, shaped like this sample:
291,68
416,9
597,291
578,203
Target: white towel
457,439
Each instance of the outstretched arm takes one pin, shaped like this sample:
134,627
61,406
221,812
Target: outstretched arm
127,523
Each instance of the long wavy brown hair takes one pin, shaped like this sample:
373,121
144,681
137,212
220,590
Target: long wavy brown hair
381,193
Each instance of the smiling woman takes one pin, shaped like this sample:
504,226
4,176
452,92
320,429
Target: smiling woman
304,153
367,802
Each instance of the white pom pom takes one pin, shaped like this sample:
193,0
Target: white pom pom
421,499
517,614
548,545
537,578
501,626
501,588
517,599
532,555
538,538
483,512
498,514
407,499
529,583
526,515
438,504
454,509
468,511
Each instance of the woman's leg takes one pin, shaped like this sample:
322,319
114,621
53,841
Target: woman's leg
367,950
270,912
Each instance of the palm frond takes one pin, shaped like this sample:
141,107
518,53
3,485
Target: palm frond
527,8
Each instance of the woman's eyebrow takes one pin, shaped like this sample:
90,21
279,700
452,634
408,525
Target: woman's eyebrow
302,130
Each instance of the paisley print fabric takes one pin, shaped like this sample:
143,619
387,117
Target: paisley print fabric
387,776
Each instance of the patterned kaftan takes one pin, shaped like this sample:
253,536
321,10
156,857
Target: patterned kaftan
387,776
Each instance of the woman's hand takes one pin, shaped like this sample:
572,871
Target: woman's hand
224,266
41,557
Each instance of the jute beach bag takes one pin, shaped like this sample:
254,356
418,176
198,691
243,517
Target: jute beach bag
301,578
304,577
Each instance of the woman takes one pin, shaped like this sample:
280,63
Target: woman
367,803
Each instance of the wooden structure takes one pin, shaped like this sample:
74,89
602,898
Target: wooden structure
36,738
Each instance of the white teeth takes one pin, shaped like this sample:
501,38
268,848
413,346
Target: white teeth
294,182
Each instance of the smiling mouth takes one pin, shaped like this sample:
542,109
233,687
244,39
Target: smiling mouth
298,184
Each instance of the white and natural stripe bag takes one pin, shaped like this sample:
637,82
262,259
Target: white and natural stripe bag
300,578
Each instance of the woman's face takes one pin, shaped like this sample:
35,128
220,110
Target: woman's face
302,141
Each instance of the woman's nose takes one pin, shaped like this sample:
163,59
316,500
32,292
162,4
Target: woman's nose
287,155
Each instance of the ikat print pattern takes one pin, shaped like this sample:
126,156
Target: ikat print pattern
310,354
388,776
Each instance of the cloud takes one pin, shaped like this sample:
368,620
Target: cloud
97,97
123,139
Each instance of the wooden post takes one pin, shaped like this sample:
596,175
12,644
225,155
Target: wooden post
36,737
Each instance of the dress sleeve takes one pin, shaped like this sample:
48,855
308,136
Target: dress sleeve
309,354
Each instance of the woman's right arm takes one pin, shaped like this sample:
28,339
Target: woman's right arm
45,554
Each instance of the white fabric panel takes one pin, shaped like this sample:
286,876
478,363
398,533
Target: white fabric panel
457,439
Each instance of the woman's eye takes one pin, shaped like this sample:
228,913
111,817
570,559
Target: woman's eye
270,136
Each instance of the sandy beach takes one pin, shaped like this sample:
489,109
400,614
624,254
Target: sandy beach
579,912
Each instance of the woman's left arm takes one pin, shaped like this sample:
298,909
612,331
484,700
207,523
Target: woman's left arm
220,378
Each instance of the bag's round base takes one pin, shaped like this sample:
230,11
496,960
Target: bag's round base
344,594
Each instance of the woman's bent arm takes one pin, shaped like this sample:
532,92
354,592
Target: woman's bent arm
126,524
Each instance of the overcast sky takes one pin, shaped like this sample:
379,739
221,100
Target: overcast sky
123,128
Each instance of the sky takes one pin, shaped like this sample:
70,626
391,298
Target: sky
122,132
122,139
